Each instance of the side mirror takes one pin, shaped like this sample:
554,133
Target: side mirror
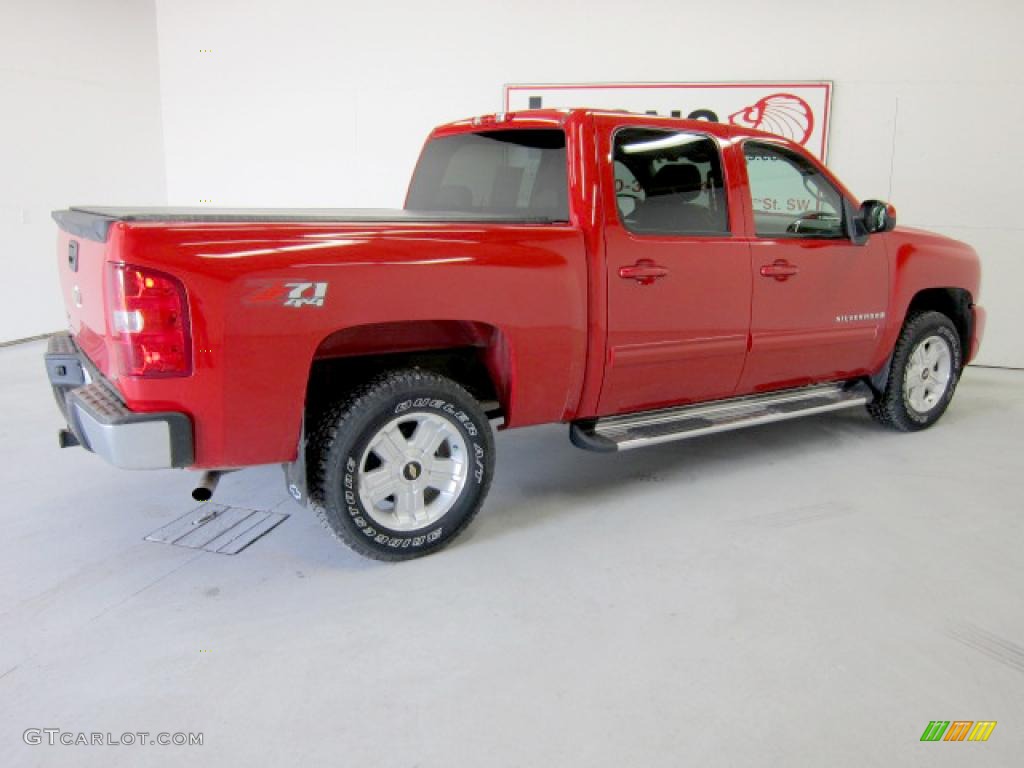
878,216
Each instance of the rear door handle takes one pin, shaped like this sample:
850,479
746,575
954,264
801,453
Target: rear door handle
780,269
644,272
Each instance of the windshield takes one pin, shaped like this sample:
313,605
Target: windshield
510,172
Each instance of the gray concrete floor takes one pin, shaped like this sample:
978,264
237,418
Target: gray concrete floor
802,594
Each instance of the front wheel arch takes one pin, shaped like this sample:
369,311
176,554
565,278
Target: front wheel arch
954,303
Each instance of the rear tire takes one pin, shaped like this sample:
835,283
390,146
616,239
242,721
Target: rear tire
401,465
926,365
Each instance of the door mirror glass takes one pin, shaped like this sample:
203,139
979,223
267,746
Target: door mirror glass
878,216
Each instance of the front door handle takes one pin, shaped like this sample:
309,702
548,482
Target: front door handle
644,272
780,269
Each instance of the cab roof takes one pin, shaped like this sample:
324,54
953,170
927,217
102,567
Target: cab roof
539,119
559,118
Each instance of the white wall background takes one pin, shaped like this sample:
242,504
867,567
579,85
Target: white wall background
79,122
326,103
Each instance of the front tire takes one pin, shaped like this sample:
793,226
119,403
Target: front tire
925,368
401,465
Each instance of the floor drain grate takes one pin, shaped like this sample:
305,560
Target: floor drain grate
218,528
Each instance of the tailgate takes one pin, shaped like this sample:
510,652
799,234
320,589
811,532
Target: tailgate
83,248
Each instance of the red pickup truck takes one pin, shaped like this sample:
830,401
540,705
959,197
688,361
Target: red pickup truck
642,279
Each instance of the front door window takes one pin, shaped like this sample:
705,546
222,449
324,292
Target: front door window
790,196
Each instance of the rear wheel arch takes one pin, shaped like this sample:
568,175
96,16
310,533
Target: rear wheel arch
475,355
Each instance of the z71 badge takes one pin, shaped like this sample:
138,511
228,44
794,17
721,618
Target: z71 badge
297,293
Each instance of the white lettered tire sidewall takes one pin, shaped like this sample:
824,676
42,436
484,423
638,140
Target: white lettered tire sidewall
401,393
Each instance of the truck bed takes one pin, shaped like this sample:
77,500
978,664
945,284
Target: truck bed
93,222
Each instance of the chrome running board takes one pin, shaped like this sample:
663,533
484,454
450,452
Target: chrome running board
634,430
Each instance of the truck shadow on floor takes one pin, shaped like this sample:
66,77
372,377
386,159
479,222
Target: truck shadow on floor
540,477
540,474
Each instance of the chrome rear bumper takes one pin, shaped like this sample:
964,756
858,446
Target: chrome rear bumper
103,424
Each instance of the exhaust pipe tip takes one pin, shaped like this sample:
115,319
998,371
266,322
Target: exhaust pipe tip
208,484
66,439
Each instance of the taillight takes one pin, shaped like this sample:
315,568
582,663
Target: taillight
148,318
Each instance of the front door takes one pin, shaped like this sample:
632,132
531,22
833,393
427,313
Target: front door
678,281
819,301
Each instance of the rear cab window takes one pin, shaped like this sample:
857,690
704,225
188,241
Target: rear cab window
512,172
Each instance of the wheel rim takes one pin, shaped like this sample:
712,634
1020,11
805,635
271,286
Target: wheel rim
928,373
412,471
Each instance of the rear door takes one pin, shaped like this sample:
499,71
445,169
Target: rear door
678,280
819,300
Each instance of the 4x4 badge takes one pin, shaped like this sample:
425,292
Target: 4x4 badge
300,296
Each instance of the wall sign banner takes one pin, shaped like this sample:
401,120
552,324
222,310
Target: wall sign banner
798,111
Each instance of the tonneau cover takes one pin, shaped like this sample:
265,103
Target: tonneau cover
93,222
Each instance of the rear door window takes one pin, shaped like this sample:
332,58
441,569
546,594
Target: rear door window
669,183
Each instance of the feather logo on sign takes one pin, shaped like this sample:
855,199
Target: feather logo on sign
783,114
